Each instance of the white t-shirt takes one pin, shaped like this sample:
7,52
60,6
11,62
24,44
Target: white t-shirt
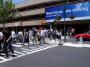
43,32
30,33
20,33
13,34
1,35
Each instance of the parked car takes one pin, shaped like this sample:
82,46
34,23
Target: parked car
85,36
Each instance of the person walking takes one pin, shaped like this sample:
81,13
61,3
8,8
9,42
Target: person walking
1,37
30,35
34,35
20,37
59,34
38,36
13,34
7,43
42,35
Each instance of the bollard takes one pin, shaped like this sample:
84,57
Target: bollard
81,40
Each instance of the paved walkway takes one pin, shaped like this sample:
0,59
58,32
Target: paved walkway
70,44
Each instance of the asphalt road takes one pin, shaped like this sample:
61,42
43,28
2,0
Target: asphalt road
59,56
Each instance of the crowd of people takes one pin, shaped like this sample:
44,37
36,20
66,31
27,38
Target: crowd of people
8,38
37,35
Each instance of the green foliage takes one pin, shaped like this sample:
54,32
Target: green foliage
6,13
56,21
53,24
65,0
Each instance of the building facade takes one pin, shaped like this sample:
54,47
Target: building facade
32,13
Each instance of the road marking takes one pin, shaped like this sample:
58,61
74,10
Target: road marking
5,59
19,52
17,45
2,58
26,49
28,53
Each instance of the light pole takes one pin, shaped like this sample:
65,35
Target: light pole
71,17
58,18
64,12
64,23
89,27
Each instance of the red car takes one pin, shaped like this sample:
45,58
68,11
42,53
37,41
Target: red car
85,36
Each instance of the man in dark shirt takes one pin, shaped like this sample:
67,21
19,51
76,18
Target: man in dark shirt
7,43
34,35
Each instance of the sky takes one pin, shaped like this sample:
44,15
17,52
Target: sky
17,1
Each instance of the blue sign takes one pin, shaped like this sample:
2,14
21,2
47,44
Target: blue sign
53,12
80,11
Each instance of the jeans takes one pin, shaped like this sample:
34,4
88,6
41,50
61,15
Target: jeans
42,39
7,45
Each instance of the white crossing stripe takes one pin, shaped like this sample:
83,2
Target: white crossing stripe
27,52
5,59
2,58
17,45
19,52
26,49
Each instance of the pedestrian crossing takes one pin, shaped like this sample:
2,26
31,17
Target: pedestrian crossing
23,50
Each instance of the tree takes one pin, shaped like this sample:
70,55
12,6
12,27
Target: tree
6,11
56,21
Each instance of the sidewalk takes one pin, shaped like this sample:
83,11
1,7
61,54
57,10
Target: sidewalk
71,44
